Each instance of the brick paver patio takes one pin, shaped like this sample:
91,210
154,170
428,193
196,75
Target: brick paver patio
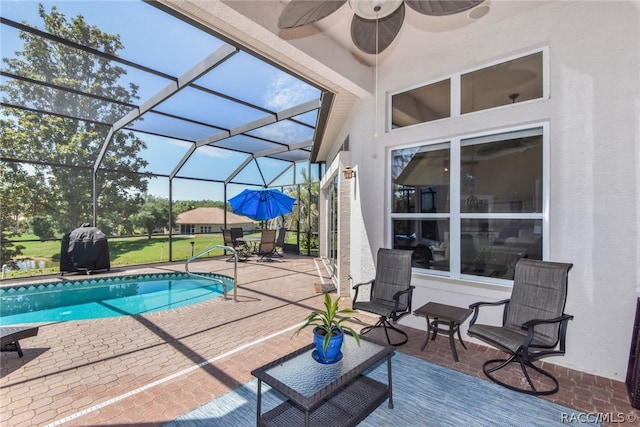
149,369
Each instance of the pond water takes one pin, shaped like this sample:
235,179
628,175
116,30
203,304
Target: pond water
34,264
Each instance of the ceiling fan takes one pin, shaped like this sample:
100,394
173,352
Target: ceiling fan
375,22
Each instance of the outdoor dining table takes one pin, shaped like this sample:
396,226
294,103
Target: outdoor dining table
251,242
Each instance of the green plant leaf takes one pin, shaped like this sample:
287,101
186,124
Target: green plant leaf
328,321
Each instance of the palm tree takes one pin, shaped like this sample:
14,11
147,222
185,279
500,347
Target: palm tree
305,214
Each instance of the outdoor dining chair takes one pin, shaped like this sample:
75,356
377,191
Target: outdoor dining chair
241,249
279,248
267,245
237,233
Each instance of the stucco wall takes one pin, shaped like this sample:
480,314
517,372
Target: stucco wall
593,114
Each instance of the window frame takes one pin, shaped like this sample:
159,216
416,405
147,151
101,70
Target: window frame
455,216
456,88
452,108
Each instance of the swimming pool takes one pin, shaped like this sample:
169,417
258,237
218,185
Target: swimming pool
107,297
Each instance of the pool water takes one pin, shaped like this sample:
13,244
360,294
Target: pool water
107,297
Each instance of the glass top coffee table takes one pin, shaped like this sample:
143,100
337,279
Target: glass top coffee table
325,395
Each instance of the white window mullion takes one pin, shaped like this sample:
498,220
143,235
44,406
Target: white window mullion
455,95
454,206
546,162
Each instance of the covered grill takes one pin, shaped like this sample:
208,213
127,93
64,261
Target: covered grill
84,249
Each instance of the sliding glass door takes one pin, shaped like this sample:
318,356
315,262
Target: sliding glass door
332,234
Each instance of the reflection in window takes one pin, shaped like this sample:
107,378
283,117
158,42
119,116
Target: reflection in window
488,163
421,179
500,214
509,82
500,175
422,104
428,239
491,247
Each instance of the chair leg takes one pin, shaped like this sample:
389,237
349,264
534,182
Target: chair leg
242,256
524,364
266,257
383,322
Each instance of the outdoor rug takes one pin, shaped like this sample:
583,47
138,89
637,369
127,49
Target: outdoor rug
424,394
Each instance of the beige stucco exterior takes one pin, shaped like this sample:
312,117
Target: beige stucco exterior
593,116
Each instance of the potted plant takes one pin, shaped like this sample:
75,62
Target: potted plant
329,330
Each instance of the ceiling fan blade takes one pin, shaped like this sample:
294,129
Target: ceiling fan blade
363,31
442,7
302,12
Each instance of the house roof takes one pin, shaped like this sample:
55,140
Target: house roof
211,216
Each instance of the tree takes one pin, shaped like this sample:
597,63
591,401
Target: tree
308,218
41,227
57,150
19,192
153,214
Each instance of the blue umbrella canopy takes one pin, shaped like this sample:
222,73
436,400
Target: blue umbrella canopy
262,204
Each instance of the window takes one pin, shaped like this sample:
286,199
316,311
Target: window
501,84
510,81
187,229
474,216
421,201
422,104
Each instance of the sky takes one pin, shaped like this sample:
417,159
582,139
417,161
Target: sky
158,40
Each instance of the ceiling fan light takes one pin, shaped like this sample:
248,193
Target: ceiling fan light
372,9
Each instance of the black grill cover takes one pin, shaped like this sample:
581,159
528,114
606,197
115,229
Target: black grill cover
84,249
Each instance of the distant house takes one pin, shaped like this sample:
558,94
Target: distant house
210,220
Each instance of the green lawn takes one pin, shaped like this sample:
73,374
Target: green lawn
123,251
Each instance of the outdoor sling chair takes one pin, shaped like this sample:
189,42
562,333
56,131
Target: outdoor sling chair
267,245
237,233
10,337
534,325
241,249
282,233
390,293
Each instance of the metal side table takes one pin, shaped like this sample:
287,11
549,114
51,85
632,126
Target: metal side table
448,315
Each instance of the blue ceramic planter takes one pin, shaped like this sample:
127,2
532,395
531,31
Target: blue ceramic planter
333,353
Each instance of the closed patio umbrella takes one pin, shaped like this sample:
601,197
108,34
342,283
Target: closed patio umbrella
262,204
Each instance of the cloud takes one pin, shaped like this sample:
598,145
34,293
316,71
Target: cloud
286,91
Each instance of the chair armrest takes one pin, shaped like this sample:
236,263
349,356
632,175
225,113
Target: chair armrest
356,287
529,326
398,294
396,298
531,323
476,309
